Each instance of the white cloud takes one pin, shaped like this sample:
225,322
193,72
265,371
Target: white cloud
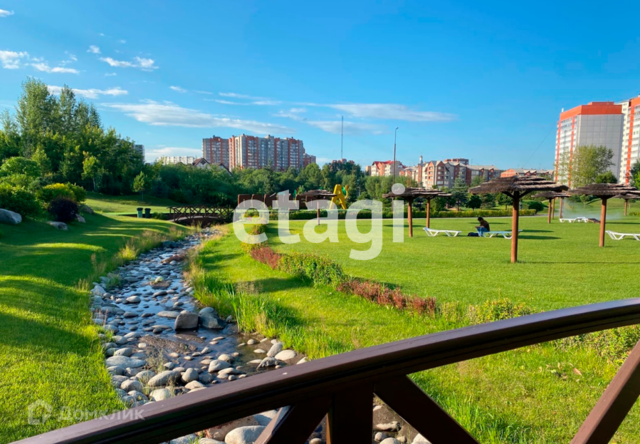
152,153
110,74
92,93
351,128
203,92
11,59
140,62
169,114
255,100
239,96
4,13
391,111
93,49
178,89
122,41
44,66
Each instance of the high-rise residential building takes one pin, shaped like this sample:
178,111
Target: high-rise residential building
308,159
138,148
629,152
259,152
386,168
216,150
597,123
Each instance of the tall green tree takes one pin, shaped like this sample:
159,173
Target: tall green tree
588,163
459,192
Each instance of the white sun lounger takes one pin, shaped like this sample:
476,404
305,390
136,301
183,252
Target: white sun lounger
433,233
575,219
505,234
619,236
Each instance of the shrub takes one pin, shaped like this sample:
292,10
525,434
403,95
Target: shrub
63,210
57,190
18,200
321,270
266,255
79,192
535,205
497,310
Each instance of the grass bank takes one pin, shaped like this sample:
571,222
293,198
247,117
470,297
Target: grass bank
49,350
103,203
538,394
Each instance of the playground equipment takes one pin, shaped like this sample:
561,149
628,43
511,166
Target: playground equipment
341,194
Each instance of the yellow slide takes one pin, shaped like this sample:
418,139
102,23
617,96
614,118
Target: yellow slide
341,195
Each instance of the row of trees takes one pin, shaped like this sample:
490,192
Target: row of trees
66,139
590,164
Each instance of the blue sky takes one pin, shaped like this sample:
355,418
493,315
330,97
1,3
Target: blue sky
479,80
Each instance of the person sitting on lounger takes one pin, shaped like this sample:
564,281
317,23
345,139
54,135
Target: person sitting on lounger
483,227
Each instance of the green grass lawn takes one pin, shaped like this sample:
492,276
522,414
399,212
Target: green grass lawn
523,396
49,349
102,203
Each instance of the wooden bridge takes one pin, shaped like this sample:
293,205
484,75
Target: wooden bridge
342,387
203,214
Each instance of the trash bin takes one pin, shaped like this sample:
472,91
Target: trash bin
147,213
139,210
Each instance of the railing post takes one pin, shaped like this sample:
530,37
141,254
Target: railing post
351,416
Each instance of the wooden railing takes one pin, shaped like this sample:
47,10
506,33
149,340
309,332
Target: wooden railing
343,386
190,213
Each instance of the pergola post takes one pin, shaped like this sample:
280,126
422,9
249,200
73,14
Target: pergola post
561,205
626,206
549,211
429,213
410,216
514,227
603,220
318,215
553,210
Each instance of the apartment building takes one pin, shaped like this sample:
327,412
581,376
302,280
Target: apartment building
487,172
174,160
259,152
629,152
525,172
308,159
216,150
386,168
597,123
443,173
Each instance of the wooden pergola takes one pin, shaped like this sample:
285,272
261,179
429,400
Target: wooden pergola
410,194
516,188
604,191
551,197
629,195
310,196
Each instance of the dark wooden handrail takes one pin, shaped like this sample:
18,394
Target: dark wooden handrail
350,379
193,212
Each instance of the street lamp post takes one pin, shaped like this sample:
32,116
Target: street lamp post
395,136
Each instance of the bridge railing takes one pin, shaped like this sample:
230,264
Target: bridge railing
200,212
343,386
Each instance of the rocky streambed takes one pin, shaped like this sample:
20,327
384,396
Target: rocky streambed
163,344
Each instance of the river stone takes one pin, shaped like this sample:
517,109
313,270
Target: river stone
265,418
220,432
205,378
123,352
138,396
390,441
168,314
80,219
286,355
194,385
145,375
164,378
421,440
123,361
209,441
225,357
132,384
188,439
116,370
117,381
98,290
275,349
133,299
186,321
268,362
160,395
190,375
392,426
211,321
217,364
58,225
244,435
9,217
